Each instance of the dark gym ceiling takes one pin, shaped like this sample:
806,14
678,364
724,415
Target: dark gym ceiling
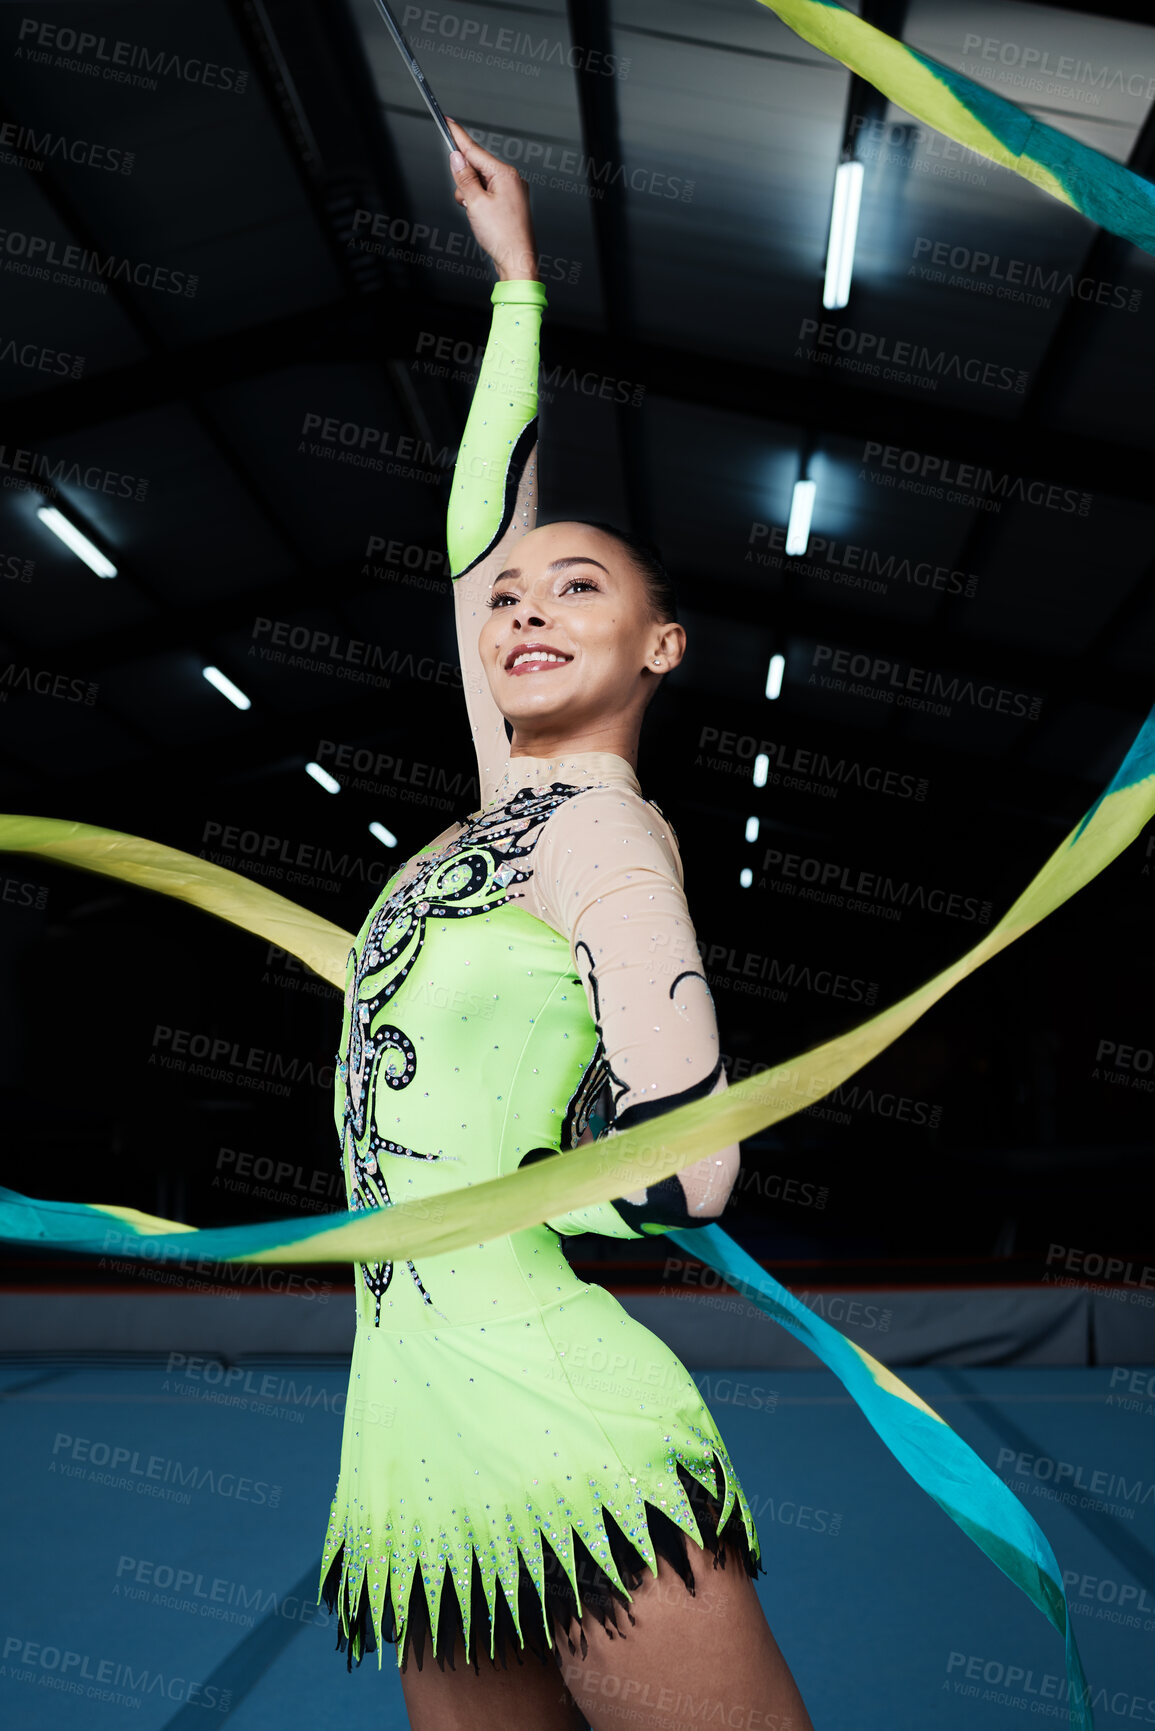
298,268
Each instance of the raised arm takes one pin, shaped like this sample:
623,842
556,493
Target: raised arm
611,879
493,500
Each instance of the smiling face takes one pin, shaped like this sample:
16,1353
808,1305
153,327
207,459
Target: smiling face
571,648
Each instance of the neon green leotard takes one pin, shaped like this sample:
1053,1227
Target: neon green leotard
514,1442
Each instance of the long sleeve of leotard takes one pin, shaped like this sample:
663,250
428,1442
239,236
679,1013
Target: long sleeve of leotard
493,500
609,876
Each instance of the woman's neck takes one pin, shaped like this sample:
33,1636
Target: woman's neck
568,767
619,740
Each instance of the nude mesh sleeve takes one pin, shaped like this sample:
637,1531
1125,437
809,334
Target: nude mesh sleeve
493,500
609,876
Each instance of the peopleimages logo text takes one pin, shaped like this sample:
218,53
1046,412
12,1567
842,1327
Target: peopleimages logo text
855,566
258,845
117,59
941,473
875,351
576,168
887,676
33,254
472,32
833,878
32,149
1040,63
15,460
1018,278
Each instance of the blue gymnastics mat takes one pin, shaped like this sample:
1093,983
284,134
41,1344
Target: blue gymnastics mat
164,1519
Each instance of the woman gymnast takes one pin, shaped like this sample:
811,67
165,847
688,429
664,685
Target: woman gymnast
526,1472
524,1469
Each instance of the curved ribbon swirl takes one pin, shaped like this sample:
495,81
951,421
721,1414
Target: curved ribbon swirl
946,1468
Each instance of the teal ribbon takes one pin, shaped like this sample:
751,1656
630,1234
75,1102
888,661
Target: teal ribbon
935,1456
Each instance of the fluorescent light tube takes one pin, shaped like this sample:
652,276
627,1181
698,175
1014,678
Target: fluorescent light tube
226,687
75,541
323,778
843,234
801,511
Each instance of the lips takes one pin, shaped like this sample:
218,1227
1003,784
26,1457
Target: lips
535,658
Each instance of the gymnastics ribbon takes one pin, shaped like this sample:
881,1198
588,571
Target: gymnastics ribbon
1119,201
1105,191
150,865
625,1161
919,1438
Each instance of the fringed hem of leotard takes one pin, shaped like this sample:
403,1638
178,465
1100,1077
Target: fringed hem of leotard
599,1597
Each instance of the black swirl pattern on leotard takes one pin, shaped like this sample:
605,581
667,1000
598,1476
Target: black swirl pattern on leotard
478,870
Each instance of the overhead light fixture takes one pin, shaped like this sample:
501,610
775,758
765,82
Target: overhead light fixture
761,769
843,234
323,778
383,834
746,878
751,829
774,675
75,541
226,687
801,511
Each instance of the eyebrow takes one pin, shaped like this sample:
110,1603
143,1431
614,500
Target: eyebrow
557,565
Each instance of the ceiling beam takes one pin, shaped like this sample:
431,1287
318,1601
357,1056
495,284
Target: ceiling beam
378,325
590,26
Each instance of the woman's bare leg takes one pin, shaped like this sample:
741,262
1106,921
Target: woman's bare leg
684,1655
526,1697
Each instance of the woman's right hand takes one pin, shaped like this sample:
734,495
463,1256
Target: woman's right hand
496,200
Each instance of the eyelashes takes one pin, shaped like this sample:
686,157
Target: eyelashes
574,582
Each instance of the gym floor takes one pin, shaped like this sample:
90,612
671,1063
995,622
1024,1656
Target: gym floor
166,1517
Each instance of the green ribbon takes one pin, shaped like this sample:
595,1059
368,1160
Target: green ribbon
960,108
615,1166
